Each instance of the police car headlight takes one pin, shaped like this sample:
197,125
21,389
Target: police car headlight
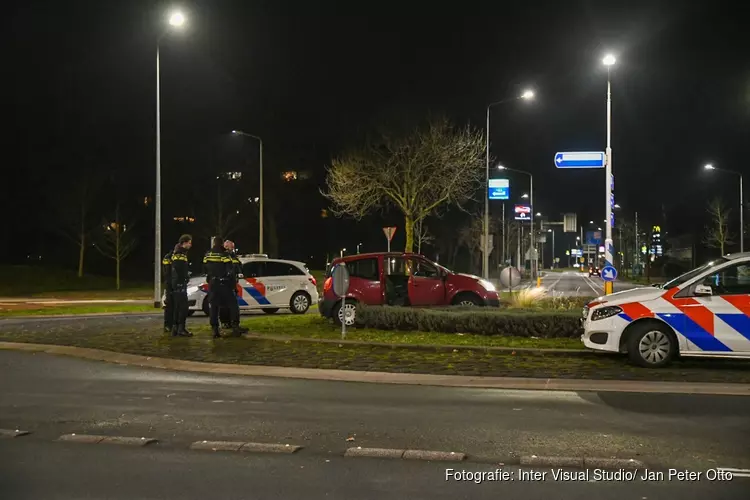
191,290
487,285
605,312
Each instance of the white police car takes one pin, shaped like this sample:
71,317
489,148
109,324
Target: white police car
267,285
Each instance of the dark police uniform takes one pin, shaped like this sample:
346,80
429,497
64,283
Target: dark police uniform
225,314
221,279
180,277
166,272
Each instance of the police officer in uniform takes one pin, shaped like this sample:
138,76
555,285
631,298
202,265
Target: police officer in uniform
180,275
225,314
166,273
221,283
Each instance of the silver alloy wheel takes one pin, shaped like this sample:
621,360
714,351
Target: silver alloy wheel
301,304
466,302
654,346
350,310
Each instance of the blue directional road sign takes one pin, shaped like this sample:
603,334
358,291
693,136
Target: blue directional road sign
580,159
499,189
609,273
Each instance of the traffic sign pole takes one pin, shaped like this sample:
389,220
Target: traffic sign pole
608,179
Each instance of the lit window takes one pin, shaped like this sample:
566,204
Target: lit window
289,176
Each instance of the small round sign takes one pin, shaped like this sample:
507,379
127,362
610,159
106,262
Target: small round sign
340,275
510,277
609,273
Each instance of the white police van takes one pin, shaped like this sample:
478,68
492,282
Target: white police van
266,284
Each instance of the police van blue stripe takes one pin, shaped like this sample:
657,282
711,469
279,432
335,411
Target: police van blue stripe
694,332
626,317
255,294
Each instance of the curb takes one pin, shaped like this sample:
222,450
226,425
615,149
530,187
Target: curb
583,462
12,433
517,383
245,447
94,439
432,456
422,347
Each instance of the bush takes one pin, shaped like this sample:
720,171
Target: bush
538,298
542,324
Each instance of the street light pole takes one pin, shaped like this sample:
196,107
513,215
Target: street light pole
260,196
531,201
608,243
527,95
176,20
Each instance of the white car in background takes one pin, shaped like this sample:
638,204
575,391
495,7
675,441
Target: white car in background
267,285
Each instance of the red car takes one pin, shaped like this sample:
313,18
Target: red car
402,279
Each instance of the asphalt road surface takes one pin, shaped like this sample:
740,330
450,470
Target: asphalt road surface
57,471
575,284
54,395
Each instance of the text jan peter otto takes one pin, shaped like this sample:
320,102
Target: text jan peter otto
531,475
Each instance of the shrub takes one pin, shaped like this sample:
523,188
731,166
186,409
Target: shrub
543,324
538,298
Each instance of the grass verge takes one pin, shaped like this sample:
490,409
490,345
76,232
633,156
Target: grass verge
142,336
52,310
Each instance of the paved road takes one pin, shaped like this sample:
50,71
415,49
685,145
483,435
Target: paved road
57,471
51,396
575,284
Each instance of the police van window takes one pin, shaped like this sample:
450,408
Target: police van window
282,269
732,280
364,268
253,269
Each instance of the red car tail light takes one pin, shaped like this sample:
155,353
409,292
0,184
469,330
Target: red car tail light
327,285
313,280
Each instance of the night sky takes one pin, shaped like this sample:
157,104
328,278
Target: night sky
312,78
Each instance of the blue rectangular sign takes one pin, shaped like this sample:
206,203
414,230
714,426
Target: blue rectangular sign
593,237
499,189
580,159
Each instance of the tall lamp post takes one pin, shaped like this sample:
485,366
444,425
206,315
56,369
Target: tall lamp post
176,20
742,205
531,202
260,160
609,61
527,95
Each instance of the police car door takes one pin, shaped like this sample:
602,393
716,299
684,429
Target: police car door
721,321
253,291
281,280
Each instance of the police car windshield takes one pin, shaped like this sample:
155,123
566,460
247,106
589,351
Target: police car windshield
692,274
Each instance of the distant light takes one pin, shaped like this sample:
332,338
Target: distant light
525,195
528,94
176,19
709,167
538,214
234,131
617,206
599,228
501,167
591,222
609,60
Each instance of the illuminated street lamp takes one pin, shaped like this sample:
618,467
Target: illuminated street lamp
176,20
527,95
709,166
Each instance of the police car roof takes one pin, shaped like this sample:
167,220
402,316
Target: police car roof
254,257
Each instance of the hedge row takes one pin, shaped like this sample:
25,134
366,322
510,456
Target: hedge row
542,324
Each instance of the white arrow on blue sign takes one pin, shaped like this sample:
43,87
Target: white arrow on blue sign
580,159
609,273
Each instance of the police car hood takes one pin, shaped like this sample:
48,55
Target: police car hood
634,295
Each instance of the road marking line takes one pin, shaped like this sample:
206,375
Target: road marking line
590,283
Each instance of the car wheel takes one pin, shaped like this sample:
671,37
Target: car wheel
206,307
651,345
299,303
467,299
349,311
271,310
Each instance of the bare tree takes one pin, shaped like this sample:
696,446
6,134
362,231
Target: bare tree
422,235
470,237
418,173
74,219
117,240
717,232
221,215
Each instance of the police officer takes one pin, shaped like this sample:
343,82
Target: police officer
225,314
180,275
166,273
221,281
